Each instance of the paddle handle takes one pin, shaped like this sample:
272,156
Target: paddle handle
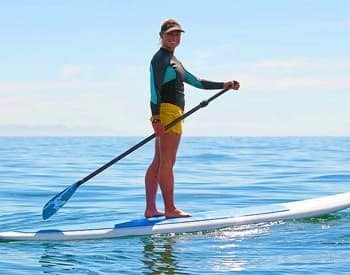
203,104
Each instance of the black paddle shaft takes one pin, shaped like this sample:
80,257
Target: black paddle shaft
203,104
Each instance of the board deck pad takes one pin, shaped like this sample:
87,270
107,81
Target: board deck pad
246,211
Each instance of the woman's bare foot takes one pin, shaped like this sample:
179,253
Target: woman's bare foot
177,213
153,213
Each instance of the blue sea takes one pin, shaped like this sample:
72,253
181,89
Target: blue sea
212,174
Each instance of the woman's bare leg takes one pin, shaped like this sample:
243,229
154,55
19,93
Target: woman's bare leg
151,184
169,143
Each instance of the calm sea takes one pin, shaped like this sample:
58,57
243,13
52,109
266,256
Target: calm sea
215,173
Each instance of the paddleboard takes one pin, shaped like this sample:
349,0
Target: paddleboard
199,222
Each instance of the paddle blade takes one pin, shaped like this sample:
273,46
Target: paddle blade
53,205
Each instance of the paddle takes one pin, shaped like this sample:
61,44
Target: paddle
53,205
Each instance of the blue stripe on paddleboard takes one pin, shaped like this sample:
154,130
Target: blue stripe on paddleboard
212,215
48,231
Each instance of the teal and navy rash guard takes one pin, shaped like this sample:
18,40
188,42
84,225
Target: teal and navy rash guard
167,81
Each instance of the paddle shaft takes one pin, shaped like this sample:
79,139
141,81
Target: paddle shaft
203,104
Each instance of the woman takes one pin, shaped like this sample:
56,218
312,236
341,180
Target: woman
167,103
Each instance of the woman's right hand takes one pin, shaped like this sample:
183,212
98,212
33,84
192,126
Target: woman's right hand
157,126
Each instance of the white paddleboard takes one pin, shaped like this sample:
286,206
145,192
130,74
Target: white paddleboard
199,222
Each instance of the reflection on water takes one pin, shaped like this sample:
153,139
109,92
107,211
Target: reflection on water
149,255
158,255
166,254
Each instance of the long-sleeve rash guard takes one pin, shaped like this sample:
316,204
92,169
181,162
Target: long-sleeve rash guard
167,81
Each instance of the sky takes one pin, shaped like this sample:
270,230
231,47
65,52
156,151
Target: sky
78,68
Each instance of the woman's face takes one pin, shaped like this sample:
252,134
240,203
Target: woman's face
171,40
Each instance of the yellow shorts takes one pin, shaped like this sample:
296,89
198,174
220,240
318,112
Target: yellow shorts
168,113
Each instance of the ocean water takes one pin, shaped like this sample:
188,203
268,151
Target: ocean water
216,173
